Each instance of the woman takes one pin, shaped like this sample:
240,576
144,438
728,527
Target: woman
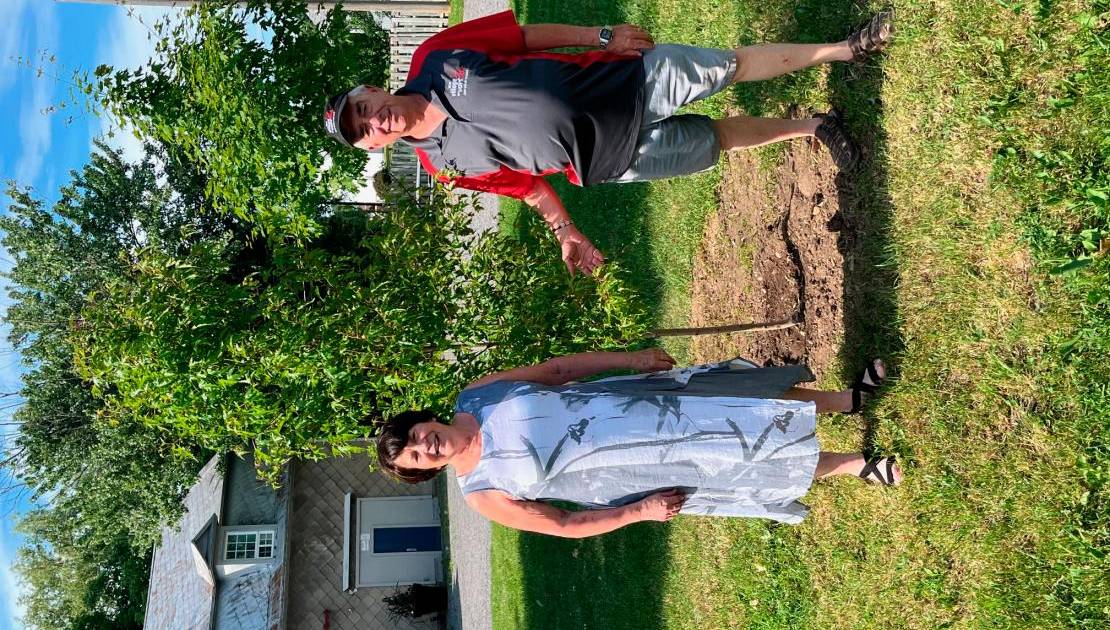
727,439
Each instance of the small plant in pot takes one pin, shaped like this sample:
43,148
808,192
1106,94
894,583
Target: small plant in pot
416,600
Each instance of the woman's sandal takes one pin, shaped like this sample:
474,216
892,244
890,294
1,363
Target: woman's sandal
872,473
862,386
874,37
832,134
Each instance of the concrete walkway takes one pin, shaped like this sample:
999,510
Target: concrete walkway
468,603
468,606
486,218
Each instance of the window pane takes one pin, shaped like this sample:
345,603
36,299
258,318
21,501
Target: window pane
240,546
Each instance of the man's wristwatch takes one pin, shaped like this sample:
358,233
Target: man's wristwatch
605,36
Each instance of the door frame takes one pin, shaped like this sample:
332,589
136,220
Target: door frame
435,555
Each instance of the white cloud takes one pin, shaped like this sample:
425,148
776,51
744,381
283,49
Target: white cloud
128,42
34,125
12,38
35,134
10,583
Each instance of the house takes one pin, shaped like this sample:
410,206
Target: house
321,551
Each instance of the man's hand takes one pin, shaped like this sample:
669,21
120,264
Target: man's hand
651,360
578,252
629,39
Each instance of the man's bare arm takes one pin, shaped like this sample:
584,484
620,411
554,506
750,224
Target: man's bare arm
627,39
577,250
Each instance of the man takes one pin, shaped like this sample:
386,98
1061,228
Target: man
487,110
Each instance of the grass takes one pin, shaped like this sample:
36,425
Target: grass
982,206
455,15
651,229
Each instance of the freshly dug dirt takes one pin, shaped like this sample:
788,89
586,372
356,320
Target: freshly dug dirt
773,251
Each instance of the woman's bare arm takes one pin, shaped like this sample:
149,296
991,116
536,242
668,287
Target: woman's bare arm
534,516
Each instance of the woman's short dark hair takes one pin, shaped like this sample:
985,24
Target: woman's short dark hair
393,439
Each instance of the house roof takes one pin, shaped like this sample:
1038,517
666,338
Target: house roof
181,596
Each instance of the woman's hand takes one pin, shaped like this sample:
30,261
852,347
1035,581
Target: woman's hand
629,39
661,506
651,360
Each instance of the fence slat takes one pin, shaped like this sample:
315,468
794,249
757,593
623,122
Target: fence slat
408,32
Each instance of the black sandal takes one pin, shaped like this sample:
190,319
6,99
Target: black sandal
874,37
859,388
832,134
872,473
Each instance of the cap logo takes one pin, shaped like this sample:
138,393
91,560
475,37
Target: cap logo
329,121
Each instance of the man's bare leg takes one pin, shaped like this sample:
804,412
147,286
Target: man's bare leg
745,132
767,61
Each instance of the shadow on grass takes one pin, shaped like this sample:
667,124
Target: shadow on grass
613,581
870,274
864,222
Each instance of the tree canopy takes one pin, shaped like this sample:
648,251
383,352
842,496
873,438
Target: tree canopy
213,299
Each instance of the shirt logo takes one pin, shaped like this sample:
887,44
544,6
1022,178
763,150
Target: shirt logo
457,77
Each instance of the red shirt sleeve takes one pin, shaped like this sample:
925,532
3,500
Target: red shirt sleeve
493,34
503,181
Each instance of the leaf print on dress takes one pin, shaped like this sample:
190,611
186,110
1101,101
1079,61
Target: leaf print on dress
782,421
576,431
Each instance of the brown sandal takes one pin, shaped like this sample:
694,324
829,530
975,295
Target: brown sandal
832,134
874,37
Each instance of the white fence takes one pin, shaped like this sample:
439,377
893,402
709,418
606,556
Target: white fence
409,30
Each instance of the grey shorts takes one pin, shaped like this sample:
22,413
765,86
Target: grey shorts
671,145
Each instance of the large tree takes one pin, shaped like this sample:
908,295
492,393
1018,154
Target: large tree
340,317
247,110
108,487
212,299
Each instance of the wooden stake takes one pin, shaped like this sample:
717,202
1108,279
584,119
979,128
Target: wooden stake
729,328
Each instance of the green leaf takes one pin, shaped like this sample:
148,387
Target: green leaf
1071,266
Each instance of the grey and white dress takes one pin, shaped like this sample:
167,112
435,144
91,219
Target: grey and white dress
716,431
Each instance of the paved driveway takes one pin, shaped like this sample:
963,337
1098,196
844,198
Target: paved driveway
468,607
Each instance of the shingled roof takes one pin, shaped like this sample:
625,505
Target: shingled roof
182,589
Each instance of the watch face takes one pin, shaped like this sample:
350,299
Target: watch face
606,34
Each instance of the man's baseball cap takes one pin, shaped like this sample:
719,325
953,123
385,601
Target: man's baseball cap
333,113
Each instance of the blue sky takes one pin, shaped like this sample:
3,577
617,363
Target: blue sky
40,146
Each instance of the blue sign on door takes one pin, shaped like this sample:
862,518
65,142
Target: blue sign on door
406,539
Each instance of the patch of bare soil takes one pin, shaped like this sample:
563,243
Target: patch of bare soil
773,252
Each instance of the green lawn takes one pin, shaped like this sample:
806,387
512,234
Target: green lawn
986,131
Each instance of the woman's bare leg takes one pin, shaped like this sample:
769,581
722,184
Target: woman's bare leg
832,402
767,61
827,402
830,464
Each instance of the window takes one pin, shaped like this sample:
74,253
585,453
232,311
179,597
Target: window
265,544
249,545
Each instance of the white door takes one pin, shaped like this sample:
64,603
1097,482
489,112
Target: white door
399,541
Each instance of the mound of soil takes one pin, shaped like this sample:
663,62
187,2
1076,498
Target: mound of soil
773,251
